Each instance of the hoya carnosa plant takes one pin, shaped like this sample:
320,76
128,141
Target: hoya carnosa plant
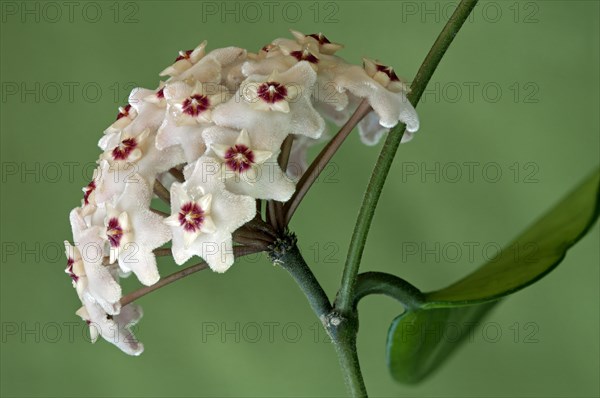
211,140
223,141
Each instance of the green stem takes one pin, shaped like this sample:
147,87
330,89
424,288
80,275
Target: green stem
386,157
293,262
389,285
341,329
345,347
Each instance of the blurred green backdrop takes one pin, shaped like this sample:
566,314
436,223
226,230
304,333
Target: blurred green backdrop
515,100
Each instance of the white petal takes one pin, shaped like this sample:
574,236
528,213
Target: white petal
189,238
141,261
205,202
220,150
244,138
208,226
280,106
261,156
173,220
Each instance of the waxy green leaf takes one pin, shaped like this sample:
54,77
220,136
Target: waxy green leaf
420,339
536,252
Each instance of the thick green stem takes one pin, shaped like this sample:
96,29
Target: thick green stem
386,157
341,329
285,253
344,342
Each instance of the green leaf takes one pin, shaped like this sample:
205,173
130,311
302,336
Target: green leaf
420,340
532,255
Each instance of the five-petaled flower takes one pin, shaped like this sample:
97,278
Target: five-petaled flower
270,94
204,215
249,163
185,60
133,232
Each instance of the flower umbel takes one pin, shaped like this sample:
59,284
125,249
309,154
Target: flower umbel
223,131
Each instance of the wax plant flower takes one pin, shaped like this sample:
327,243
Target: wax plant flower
223,142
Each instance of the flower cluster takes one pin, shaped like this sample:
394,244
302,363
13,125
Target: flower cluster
211,135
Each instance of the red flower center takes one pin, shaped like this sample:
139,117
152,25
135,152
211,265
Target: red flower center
239,158
305,55
191,217
195,105
124,149
70,262
114,231
184,55
272,92
320,37
123,111
87,191
160,94
389,71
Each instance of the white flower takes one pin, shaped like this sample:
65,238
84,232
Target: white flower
204,216
128,155
308,51
75,269
189,109
269,58
369,129
249,163
222,65
276,105
191,103
385,76
124,146
314,49
126,115
389,102
319,39
150,106
157,97
101,285
185,60
115,329
133,232
273,93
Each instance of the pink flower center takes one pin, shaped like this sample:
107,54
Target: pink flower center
305,55
389,71
320,37
88,191
184,55
124,149
195,105
272,92
123,111
191,217
239,158
69,270
114,231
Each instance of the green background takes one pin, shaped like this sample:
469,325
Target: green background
547,125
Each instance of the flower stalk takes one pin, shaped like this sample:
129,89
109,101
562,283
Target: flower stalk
388,152
319,163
